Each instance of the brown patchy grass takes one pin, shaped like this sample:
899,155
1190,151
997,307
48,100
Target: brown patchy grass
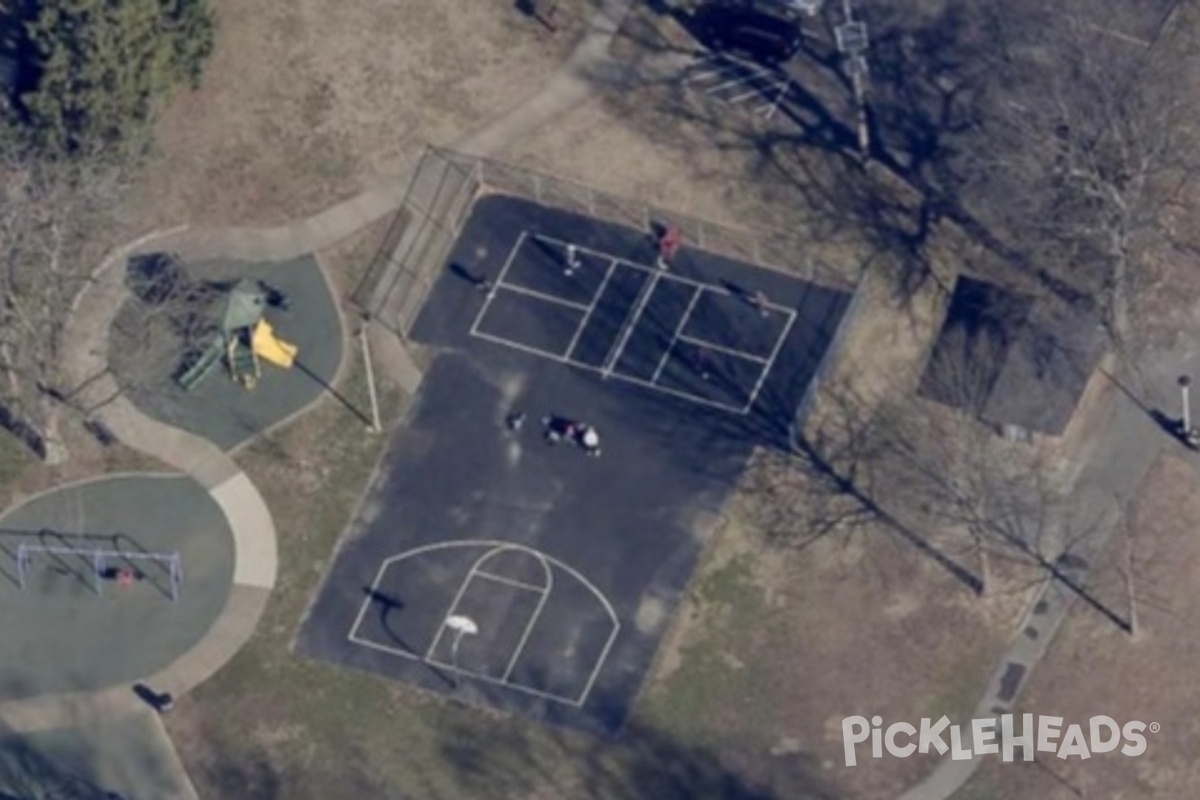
1095,668
775,645
22,475
305,103
1163,310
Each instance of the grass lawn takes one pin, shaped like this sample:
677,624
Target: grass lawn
1095,668
775,646
13,458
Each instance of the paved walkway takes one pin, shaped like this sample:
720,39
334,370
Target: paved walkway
1118,462
249,518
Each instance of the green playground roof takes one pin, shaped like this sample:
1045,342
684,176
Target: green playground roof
244,307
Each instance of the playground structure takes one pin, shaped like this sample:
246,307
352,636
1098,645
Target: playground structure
244,338
100,560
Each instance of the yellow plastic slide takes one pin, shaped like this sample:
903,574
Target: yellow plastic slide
277,351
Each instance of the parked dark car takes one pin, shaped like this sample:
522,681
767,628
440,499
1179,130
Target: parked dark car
748,31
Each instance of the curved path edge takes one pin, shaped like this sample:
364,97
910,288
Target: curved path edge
255,539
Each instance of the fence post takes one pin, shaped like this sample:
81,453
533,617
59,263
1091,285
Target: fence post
366,353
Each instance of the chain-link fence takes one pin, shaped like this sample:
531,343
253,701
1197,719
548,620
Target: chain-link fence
446,184
436,204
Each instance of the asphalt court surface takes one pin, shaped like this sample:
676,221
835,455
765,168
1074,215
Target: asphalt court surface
708,343
568,567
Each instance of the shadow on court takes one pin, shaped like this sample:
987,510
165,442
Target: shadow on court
680,373
475,279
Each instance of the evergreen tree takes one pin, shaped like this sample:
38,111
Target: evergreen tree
103,67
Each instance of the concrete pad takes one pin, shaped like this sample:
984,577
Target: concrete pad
253,531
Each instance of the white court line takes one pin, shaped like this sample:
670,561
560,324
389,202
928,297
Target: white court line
467,582
533,618
362,611
737,98
612,265
496,546
537,351
653,270
491,576
687,314
695,398
443,666
462,588
630,324
600,659
386,648
720,349
500,279
696,77
549,298
720,86
762,377
609,368
774,105
615,373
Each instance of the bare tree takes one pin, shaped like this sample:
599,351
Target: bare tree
46,209
167,323
1085,140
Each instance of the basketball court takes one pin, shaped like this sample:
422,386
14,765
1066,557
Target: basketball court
493,567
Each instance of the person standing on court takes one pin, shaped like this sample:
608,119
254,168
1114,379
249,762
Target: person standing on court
668,246
573,262
589,440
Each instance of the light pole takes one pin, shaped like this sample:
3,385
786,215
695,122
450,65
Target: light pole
852,42
366,354
461,626
1190,435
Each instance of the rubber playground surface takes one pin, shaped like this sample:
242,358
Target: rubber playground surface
219,409
70,629
491,566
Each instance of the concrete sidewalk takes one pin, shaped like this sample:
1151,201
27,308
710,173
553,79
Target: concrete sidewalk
249,518
1118,462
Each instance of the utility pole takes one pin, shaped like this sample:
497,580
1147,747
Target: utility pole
1189,434
366,354
852,43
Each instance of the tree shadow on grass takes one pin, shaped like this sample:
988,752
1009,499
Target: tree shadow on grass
641,762
27,771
